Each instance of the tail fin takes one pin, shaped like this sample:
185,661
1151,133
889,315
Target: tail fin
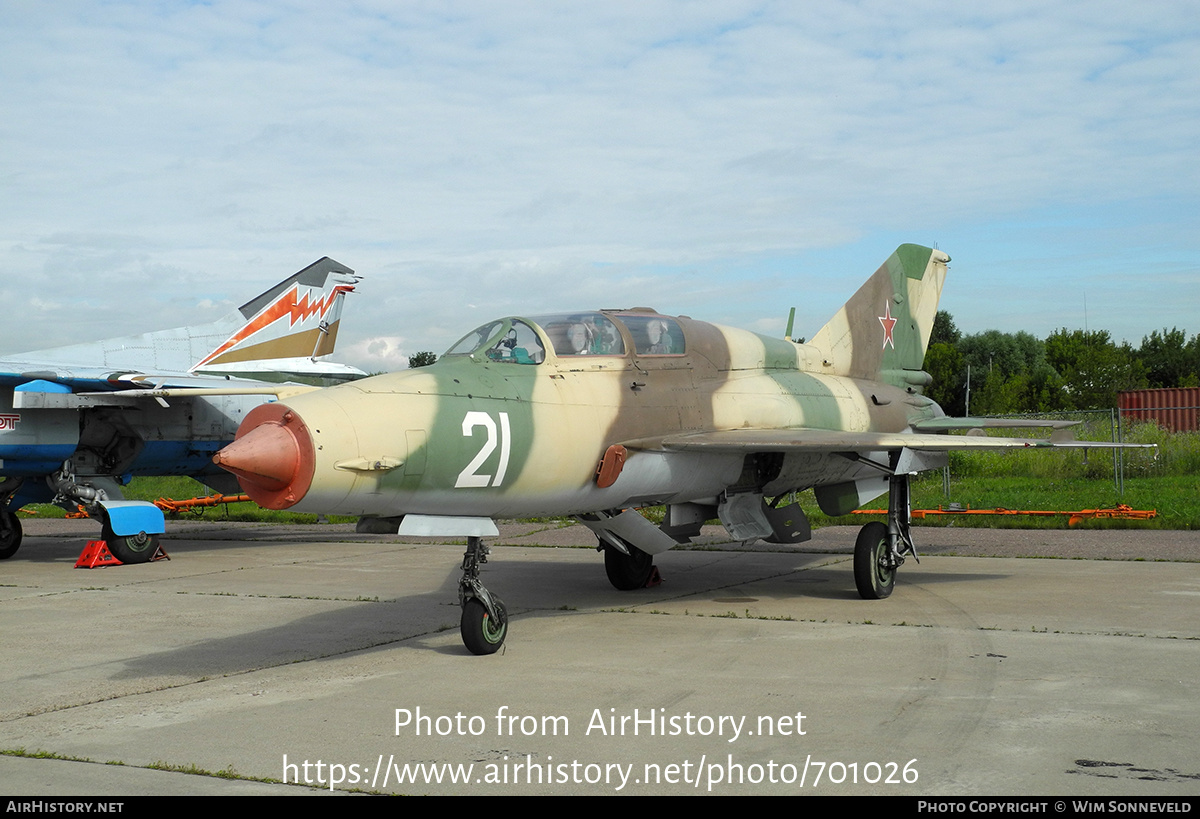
296,319
883,330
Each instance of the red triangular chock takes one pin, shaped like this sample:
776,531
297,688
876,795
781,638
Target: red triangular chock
655,578
159,554
95,554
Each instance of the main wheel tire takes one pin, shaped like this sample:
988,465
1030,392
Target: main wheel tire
10,532
481,634
627,571
873,579
137,548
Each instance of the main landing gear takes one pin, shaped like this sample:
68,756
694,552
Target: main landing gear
627,571
138,548
10,532
484,623
881,549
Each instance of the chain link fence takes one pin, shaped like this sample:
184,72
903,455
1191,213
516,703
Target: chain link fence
1176,453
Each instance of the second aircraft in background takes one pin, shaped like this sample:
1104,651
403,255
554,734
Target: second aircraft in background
76,422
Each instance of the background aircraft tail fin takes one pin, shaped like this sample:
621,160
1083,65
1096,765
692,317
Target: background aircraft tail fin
883,330
280,333
297,318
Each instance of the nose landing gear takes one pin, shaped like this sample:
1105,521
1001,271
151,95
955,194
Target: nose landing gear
484,623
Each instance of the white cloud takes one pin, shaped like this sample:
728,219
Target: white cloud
532,157
377,354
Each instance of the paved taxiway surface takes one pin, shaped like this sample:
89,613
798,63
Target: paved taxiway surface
993,674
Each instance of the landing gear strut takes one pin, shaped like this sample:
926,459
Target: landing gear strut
881,549
484,623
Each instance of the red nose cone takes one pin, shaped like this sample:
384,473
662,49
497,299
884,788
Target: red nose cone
272,456
266,456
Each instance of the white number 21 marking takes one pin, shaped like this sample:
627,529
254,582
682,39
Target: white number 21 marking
470,476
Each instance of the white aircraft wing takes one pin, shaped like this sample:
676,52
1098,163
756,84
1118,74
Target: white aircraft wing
823,440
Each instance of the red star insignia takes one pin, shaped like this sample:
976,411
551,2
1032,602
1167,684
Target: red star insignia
889,324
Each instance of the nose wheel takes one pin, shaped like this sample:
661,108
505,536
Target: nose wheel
484,623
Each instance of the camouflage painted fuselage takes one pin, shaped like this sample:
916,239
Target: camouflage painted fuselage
515,421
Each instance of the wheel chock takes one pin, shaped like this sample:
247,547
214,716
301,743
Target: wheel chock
95,554
655,578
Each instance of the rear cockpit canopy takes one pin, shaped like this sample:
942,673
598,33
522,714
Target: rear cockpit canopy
524,340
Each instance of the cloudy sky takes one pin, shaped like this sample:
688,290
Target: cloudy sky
163,162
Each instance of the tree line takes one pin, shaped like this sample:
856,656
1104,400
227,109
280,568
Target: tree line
1069,370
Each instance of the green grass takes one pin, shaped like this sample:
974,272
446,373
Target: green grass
182,488
1176,500
1175,455
1165,479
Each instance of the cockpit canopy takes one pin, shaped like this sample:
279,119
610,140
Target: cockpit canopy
524,340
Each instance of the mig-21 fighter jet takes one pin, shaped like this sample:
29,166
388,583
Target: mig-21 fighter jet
594,414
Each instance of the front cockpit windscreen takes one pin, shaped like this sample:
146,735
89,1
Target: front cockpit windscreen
507,341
